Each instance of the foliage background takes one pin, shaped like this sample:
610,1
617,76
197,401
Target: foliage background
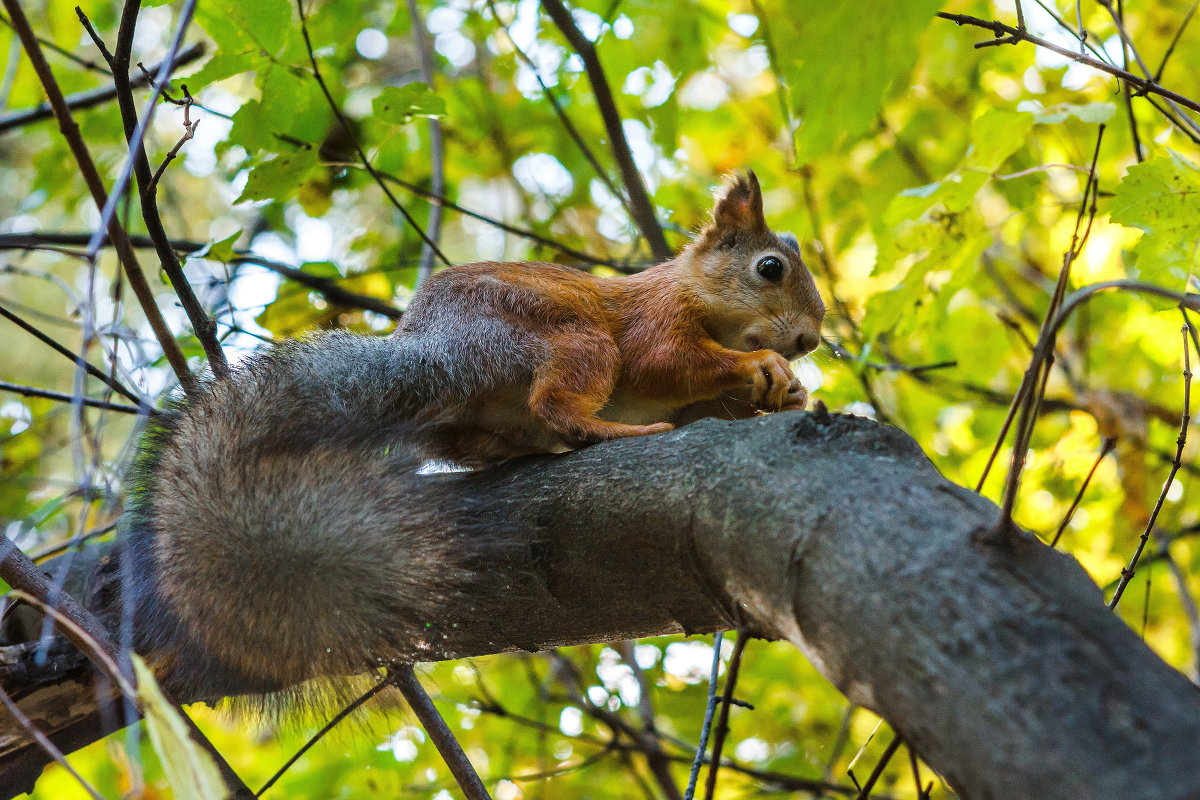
935,187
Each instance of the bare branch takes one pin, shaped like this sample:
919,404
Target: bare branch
641,208
91,97
1006,34
437,150
349,131
70,131
727,700
1105,449
451,751
46,394
95,372
203,325
45,743
1128,572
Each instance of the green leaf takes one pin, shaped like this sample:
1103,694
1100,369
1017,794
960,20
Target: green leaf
190,770
398,105
840,61
1162,198
222,249
279,178
262,24
257,123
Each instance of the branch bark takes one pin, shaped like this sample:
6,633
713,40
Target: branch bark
998,662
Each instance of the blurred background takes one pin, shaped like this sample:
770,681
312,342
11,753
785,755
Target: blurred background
935,188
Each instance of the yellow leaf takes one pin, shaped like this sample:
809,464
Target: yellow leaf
190,770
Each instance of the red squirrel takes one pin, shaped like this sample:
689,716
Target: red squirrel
541,358
262,539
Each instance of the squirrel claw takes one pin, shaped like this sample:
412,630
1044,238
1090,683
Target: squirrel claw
797,398
771,379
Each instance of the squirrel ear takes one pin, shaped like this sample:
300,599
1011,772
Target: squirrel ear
741,206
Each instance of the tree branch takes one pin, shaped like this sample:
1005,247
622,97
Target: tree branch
437,150
203,325
1006,34
640,206
91,176
782,521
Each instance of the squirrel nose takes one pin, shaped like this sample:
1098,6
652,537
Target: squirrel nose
807,342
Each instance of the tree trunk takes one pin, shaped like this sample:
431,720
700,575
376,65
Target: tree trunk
995,657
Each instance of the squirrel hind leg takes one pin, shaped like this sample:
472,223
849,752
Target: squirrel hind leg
568,390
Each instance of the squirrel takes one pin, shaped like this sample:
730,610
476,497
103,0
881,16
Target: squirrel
536,357
260,536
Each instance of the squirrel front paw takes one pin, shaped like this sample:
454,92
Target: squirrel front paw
773,386
797,397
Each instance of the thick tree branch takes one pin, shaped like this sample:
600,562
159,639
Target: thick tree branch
837,534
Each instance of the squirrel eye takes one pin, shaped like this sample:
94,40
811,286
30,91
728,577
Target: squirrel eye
770,268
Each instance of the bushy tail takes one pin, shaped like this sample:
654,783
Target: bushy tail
276,528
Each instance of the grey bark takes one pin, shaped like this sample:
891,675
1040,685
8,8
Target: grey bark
997,661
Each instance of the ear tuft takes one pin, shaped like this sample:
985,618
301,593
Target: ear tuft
740,207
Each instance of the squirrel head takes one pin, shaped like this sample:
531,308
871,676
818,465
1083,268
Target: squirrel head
752,281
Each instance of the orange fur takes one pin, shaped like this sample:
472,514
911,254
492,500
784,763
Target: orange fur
698,327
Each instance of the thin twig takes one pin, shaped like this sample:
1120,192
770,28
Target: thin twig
87,168
439,732
203,325
1033,386
1187,18
87,64
136,137
78,624
437,150
386,681
656,758
880,766
781,93
1105,449
1128,572
640,206
189,130
96,39
735,665
349,131
706,726
524,233
46,394
1186,601
87,633
1127,44
776,779
326,287
564,118
74,541
74,357
1006,34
